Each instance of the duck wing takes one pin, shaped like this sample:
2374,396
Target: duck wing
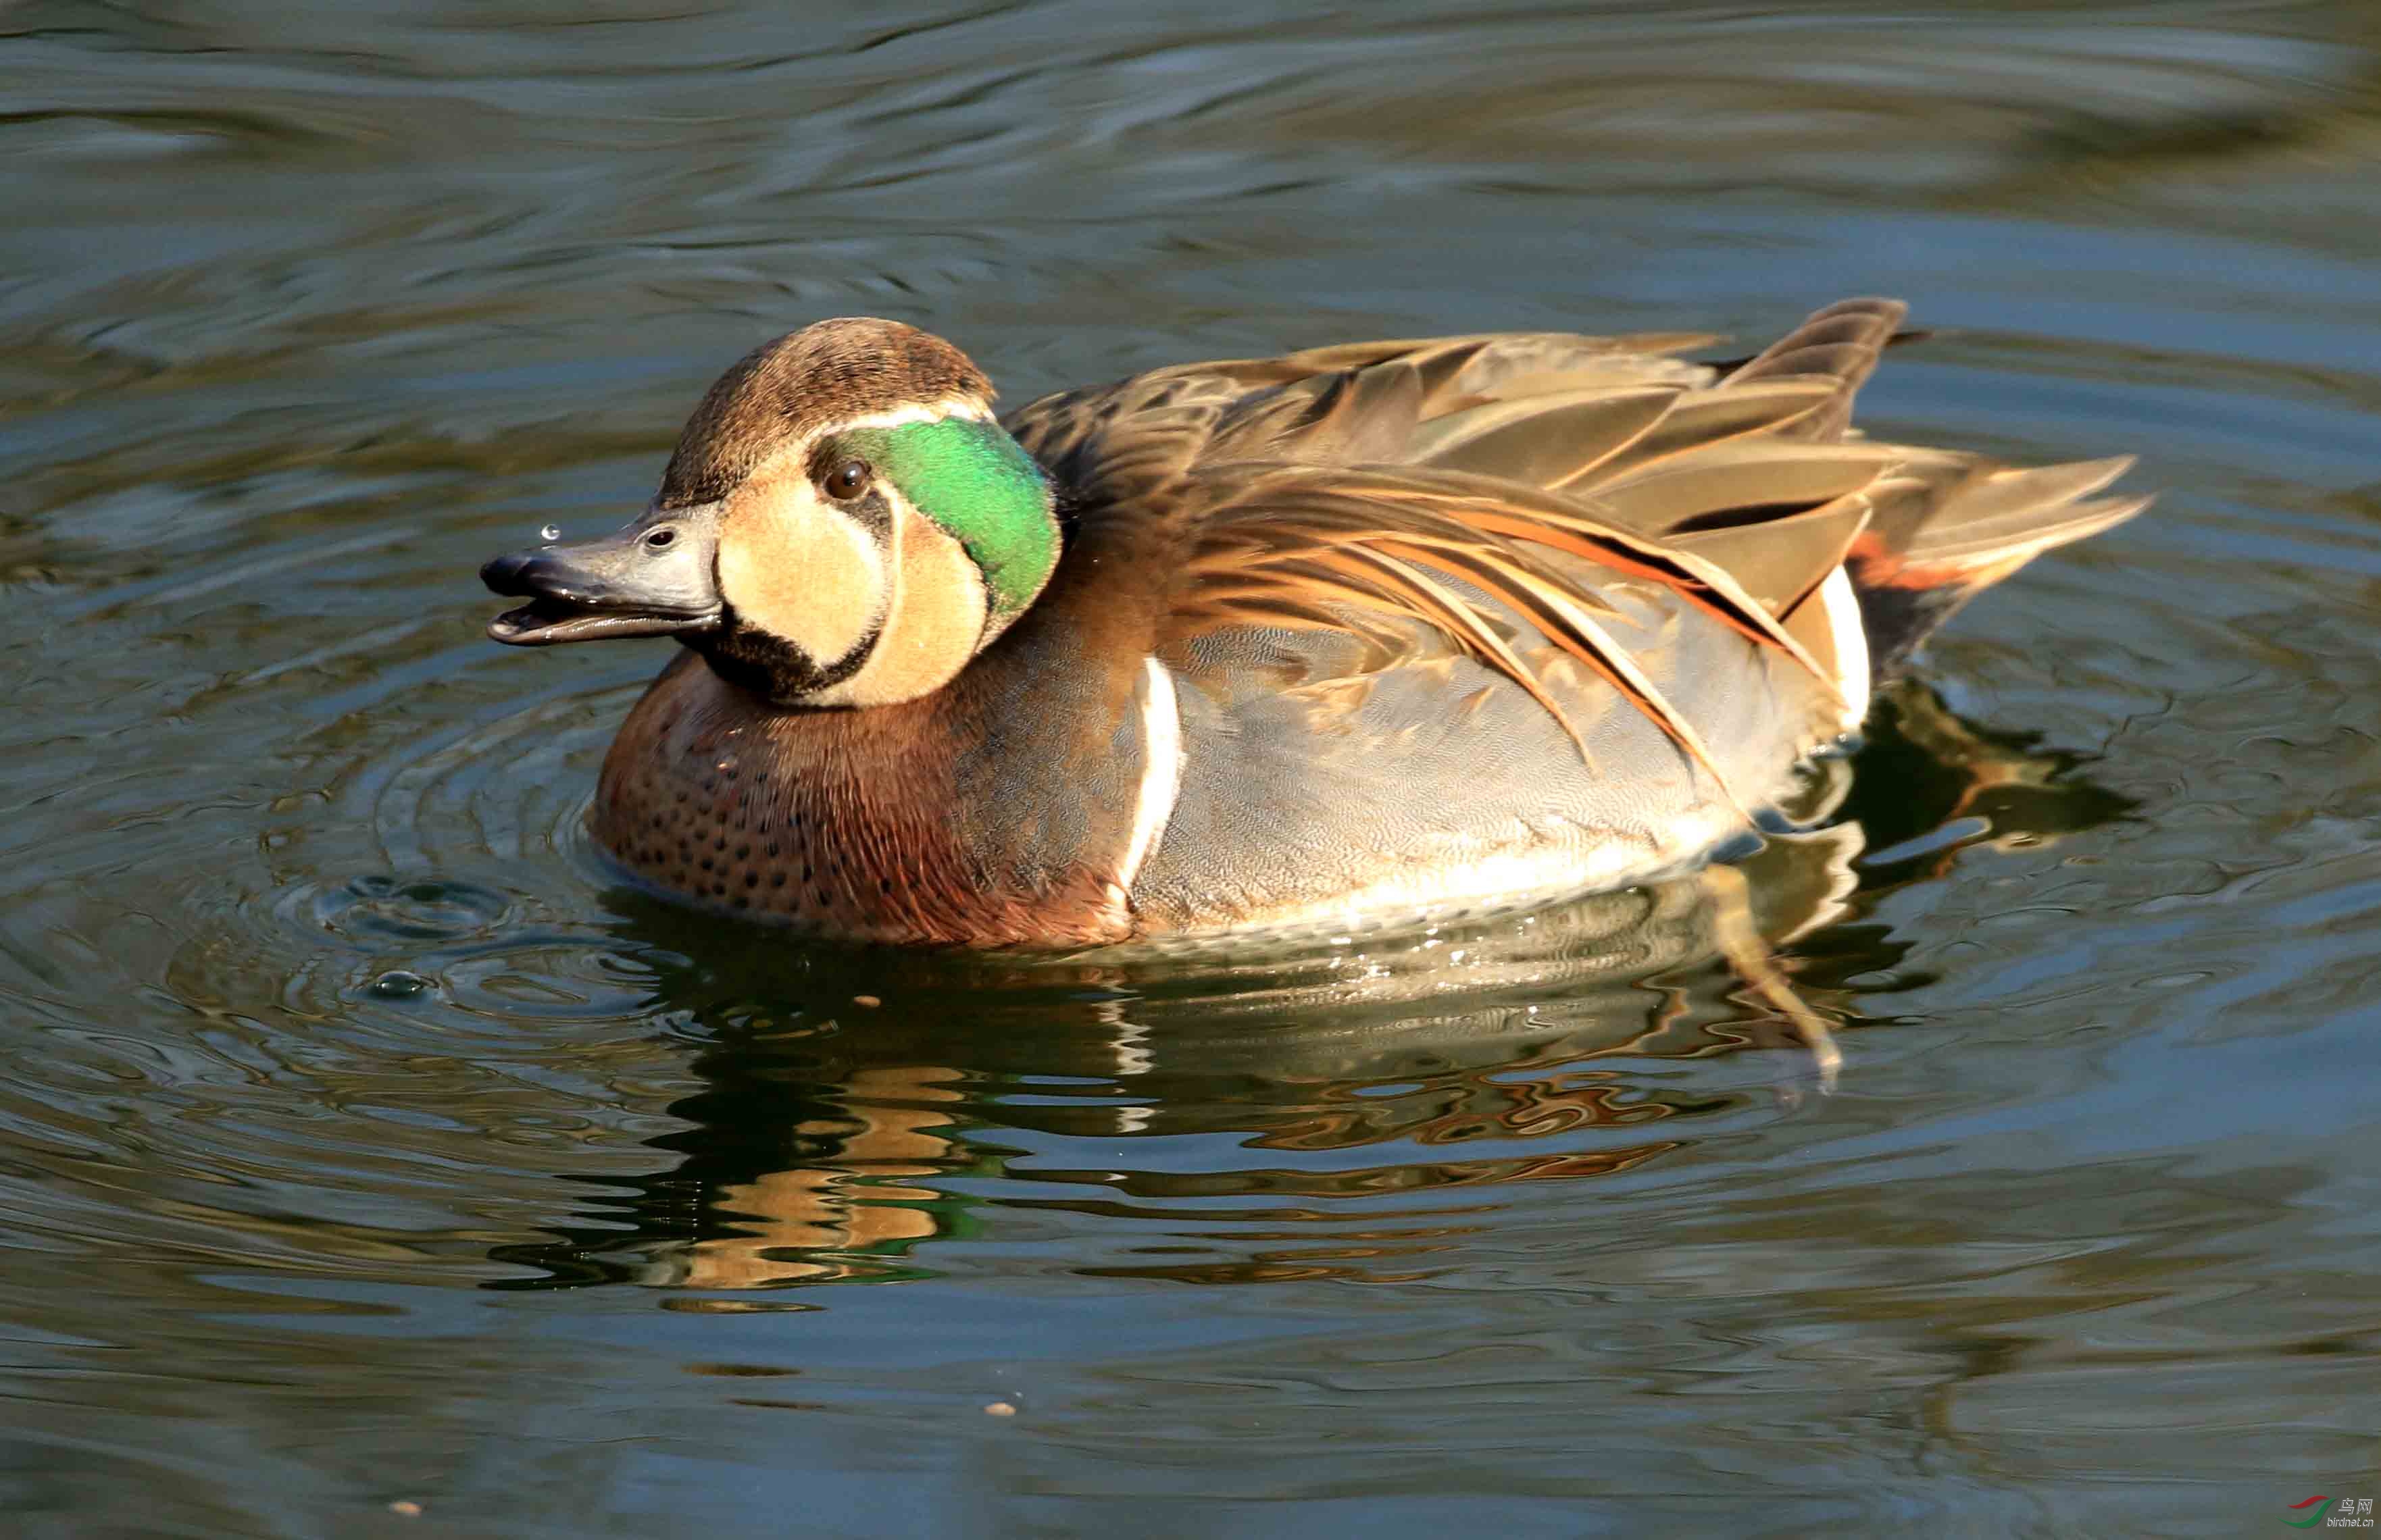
1478,493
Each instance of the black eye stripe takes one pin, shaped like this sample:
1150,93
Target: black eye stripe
869,510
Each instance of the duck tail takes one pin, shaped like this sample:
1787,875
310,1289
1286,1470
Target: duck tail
1946,528
1943,527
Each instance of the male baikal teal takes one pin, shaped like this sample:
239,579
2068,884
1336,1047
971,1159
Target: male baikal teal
1350,637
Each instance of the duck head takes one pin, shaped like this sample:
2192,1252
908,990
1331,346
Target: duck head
844,523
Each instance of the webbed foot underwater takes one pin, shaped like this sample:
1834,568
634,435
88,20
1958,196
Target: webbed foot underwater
1351,637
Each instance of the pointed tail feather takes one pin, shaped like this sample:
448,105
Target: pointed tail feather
1841,343
1939,544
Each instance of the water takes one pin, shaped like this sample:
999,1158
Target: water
361,1145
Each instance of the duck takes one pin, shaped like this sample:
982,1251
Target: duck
1363,636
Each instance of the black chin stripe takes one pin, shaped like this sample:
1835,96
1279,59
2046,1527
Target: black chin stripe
772,667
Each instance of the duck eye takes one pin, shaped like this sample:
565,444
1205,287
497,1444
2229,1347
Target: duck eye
846,481
660,539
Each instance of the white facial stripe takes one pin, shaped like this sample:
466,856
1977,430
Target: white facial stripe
1161,774
884,587
1850,636
797,453
929,411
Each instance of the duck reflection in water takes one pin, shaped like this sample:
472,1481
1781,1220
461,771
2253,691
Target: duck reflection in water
836,1137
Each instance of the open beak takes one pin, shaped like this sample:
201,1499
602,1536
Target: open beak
654,578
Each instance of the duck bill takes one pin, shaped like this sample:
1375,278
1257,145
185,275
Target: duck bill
657,577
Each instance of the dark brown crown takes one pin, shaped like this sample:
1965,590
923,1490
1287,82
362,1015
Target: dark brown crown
805,380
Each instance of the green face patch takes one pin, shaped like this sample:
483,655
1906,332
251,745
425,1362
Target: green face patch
977,482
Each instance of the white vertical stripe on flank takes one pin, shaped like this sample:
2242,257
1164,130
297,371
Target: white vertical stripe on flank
1161,774
1852,642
